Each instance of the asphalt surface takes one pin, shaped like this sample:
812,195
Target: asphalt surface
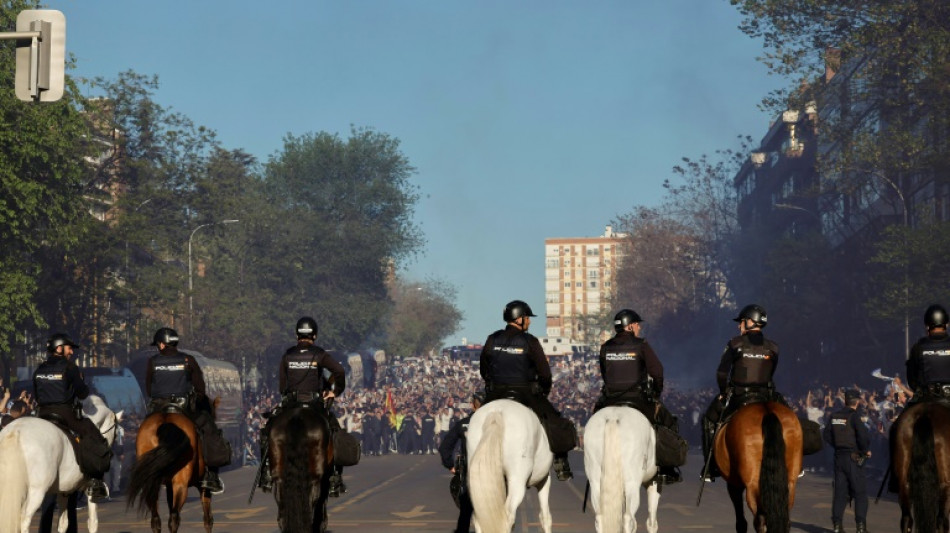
410,493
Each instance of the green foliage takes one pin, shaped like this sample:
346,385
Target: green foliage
41,185
422,316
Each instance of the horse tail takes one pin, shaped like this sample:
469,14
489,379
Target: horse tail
296,486
923,476
153,467
773,486
486,477
13,474
611,484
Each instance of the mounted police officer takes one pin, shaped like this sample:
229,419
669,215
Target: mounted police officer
928,365
302,383
514,366
175,381
633,376
458,465
58,387
849,437
744,375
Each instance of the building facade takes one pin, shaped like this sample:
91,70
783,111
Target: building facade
579,273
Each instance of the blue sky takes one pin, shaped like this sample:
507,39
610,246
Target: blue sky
525,120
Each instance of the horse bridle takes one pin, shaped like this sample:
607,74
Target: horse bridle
113,428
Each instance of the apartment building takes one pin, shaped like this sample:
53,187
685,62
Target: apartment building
578,274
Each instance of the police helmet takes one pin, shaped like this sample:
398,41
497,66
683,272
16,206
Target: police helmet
755,313
515,310
57,340
166,336
624,318
307,328
935,316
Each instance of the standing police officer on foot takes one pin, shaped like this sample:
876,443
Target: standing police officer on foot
174,378
301,382
459,466
514,366
58,387
928,364
633,376
849,437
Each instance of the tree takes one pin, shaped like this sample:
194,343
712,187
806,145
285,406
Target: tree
879,73
42,185
345,219
422,316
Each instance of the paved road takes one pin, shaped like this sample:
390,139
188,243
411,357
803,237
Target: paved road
410,493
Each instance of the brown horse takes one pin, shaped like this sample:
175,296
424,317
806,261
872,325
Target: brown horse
759,451
920,464
168,452
300,457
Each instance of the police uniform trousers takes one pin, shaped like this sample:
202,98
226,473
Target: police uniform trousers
90,439
466,510
849,482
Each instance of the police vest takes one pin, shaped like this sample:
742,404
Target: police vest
509,359
842,431
171,376
624,367
752,364
935,359
50,379
303,370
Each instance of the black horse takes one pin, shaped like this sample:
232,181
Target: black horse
301,457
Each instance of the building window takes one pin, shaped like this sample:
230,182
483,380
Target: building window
607,284
591,274
552,263
567,284
593,284
579,284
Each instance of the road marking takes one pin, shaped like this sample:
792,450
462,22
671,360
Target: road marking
359,497
416,512
247,513
685,510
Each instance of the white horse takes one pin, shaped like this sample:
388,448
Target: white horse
36,459
509,452
619,457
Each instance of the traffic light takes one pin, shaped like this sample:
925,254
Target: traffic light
40,55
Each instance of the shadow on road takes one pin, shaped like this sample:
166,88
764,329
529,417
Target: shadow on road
808,528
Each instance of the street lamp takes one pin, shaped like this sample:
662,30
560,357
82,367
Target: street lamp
191,299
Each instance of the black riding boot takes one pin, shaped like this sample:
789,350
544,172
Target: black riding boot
266,482
709,467
862,527
96,490
562,468
837,528
336,483
669,475
211,482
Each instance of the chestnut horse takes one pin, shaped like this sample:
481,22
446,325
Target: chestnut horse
759,451
300,457
920,464
168,452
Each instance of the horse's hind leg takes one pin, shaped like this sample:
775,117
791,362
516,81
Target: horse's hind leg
206,509
632,503
544,516
516,492
653,501
735,494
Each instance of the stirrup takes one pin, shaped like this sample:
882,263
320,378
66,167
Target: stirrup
97,491
336,486
212,483
563,470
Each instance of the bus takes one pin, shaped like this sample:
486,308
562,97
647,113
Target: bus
470,352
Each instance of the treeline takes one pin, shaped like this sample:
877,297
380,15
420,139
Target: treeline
119,215
847,282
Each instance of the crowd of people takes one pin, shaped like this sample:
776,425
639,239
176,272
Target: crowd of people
416,400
